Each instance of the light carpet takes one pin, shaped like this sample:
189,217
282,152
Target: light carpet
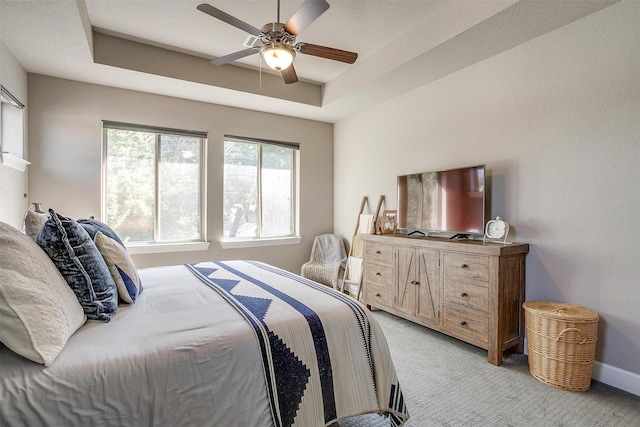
447,382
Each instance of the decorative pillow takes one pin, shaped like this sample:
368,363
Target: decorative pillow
72,250
121,266
38,310
92,226
33,221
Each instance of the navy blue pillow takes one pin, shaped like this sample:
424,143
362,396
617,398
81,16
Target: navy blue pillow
92,226
78,259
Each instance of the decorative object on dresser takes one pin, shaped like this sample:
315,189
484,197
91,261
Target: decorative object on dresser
497,230
389,221
465,289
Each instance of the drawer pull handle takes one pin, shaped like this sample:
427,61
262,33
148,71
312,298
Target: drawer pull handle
378,274
463,323
464,266
413,282
378,295
463,295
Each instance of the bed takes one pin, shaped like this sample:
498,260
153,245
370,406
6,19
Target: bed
225,343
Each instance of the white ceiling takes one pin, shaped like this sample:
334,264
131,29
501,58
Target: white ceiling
401,44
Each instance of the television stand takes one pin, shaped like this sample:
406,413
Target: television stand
462,288
460,236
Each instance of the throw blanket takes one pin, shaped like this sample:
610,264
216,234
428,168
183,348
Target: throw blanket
324,358
332,249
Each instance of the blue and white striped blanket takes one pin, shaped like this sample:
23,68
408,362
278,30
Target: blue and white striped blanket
324,357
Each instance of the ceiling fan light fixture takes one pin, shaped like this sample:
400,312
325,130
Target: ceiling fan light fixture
278,57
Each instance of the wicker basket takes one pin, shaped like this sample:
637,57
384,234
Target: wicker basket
561,339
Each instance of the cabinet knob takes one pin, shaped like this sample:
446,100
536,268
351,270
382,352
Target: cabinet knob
378,252
378,295
378,274
463,323
464,266
463,295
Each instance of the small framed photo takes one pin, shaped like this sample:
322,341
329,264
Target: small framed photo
389,221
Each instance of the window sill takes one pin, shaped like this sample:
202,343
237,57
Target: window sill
158,248
256,243
13,161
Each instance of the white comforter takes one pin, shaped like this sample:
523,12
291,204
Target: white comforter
181,356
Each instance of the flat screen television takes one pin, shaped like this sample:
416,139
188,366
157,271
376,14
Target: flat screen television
450,201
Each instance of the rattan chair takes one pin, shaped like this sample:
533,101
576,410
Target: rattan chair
328,255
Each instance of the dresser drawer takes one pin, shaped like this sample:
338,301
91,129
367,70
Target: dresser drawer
469,293
463,265
378,295
378,274
471,327
377,252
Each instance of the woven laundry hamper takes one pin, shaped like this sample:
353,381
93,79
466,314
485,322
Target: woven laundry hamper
561,339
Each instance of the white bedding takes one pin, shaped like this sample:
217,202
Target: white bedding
180,356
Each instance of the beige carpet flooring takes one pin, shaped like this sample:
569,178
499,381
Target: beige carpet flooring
447,382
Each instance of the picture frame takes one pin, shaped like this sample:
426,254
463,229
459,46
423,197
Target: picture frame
389,221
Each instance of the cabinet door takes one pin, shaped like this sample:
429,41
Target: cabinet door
428,285
406,283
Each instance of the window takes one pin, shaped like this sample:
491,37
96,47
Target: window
259,188
11,131
153,183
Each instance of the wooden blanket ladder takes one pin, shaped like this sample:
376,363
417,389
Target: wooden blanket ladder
354,268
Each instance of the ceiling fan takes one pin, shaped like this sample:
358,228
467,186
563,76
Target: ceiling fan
276,41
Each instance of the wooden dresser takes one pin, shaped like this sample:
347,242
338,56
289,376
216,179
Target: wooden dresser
467,289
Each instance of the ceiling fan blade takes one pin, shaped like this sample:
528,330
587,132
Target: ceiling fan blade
233,56
289,74
308,12
327,52
223,16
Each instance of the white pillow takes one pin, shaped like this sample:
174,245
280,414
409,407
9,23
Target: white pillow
121,266
38,310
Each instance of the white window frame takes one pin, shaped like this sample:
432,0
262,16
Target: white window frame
159,246
294,238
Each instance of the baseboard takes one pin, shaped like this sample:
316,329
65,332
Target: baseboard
616,377
610,375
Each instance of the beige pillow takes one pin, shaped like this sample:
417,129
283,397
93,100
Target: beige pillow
121,267
38,310
33,222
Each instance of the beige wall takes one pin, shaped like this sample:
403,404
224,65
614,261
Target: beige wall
65,134
557,122
13,183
